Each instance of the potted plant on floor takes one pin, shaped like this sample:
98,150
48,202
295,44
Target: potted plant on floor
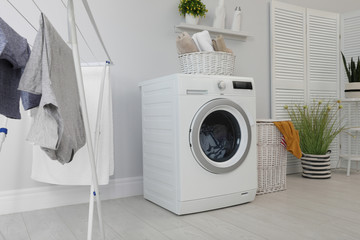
352,89
192,10
318,125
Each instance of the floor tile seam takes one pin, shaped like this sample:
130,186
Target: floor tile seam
56,209
138,218
253,232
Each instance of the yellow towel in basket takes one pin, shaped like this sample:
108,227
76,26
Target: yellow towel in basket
291,136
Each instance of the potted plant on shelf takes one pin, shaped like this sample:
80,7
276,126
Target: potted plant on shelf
318,125
352,89
192,10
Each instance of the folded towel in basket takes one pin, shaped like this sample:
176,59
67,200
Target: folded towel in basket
291,135
185,44
203,41
219,44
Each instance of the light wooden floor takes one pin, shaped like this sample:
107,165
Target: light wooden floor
308,209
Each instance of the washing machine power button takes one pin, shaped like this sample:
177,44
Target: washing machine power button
221,85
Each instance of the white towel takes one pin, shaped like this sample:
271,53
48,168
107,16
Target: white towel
78,171
203,41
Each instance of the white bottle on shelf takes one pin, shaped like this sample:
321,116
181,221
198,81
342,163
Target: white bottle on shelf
236,24
219,20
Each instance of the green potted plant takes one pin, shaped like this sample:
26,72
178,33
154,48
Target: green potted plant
192,10
352,89
318,125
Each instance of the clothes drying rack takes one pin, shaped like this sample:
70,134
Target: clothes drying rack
94,189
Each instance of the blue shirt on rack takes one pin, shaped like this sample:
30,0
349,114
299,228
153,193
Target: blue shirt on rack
14,54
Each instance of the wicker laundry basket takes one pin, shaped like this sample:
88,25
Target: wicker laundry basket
209,63
272,158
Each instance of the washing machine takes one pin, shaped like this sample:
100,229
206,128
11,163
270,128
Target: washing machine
199,141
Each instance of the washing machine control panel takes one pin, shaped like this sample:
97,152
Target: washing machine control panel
236,85
193,84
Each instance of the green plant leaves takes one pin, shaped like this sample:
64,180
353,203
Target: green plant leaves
352,69
193,7
317,124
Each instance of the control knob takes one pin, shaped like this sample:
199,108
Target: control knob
221,85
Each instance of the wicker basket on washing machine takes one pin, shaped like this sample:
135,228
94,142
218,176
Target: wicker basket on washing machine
209,63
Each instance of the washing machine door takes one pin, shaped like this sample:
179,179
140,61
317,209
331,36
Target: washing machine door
220,136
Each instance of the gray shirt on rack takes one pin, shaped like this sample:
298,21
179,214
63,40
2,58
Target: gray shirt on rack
14,54
58,125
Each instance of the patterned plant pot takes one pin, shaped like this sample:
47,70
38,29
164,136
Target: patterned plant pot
352,90
316,166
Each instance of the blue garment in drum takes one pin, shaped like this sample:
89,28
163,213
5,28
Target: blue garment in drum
214,142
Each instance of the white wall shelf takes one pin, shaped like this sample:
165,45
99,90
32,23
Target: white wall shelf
227,33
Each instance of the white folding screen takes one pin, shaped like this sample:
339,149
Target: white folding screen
305,61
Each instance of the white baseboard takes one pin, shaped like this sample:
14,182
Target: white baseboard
54,196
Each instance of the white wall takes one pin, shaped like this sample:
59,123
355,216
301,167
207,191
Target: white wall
143,47
141,40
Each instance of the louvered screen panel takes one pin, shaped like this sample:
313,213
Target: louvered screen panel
288,52
350,41
323,61
323,51
322,54
323,95
287,97
288,57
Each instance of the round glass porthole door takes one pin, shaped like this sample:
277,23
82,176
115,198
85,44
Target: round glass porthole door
220,136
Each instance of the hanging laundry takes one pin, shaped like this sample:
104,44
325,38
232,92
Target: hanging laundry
58,125
78,172
14,54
